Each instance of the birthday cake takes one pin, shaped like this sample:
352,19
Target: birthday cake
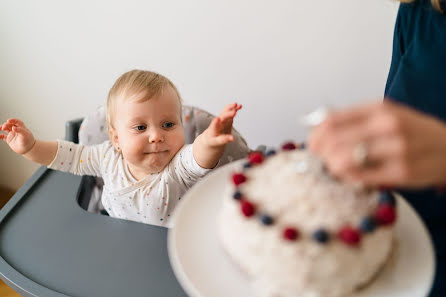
294,230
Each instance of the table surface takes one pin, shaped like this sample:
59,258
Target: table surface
50,246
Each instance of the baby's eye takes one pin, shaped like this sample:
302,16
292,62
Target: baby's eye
168,125
140,128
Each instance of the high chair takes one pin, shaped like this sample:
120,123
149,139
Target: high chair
51,246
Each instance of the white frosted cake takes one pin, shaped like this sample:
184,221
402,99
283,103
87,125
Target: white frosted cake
296,231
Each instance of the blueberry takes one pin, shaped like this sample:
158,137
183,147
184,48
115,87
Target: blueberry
247,165
387,198
367,225
237,195
321,236
266,220
270,152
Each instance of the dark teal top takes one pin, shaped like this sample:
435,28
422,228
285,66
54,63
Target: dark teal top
417,78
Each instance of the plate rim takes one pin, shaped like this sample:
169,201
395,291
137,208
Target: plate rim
192,290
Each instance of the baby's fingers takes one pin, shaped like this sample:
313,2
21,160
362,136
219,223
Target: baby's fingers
229,107
19,129
16,122
233,106
7,127
2,135
10,136
238,106
230,111
221,140
215,125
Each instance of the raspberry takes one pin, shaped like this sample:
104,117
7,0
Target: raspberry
256,158
289,146
238,178
290,234
248,208
385,214
349,235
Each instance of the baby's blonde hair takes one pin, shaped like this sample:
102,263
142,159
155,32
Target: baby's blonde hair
435,3
136,82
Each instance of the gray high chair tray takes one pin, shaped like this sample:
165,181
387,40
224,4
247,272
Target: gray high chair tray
50,246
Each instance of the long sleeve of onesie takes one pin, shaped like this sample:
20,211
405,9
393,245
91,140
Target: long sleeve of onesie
184,169
80,159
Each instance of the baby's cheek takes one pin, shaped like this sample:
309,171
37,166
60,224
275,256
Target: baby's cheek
178,140
135,152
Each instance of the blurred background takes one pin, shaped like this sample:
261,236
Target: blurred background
280,59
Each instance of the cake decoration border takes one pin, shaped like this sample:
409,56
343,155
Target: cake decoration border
384,215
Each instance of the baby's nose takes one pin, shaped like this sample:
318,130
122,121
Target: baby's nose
156,135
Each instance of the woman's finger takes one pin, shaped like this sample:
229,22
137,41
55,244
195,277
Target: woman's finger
390,173
342,122
378,123
353,115
342,158
375,133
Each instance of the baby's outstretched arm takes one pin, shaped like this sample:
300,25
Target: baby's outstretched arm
209,146
21,140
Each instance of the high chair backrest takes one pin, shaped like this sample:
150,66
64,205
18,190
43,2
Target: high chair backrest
93,130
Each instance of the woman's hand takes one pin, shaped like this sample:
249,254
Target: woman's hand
383,144
18,136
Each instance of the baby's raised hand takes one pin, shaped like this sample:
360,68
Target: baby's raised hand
209,146
219,131
18,136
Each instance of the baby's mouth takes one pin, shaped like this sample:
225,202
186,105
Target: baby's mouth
156,152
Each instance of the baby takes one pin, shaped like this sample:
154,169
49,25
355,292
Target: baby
146,165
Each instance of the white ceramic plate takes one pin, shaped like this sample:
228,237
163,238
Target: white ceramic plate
205,270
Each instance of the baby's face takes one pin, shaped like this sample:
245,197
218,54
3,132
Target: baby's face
149,133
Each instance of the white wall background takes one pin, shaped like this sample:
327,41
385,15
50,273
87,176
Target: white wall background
280,59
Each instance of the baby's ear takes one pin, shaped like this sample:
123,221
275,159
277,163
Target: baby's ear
113,136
